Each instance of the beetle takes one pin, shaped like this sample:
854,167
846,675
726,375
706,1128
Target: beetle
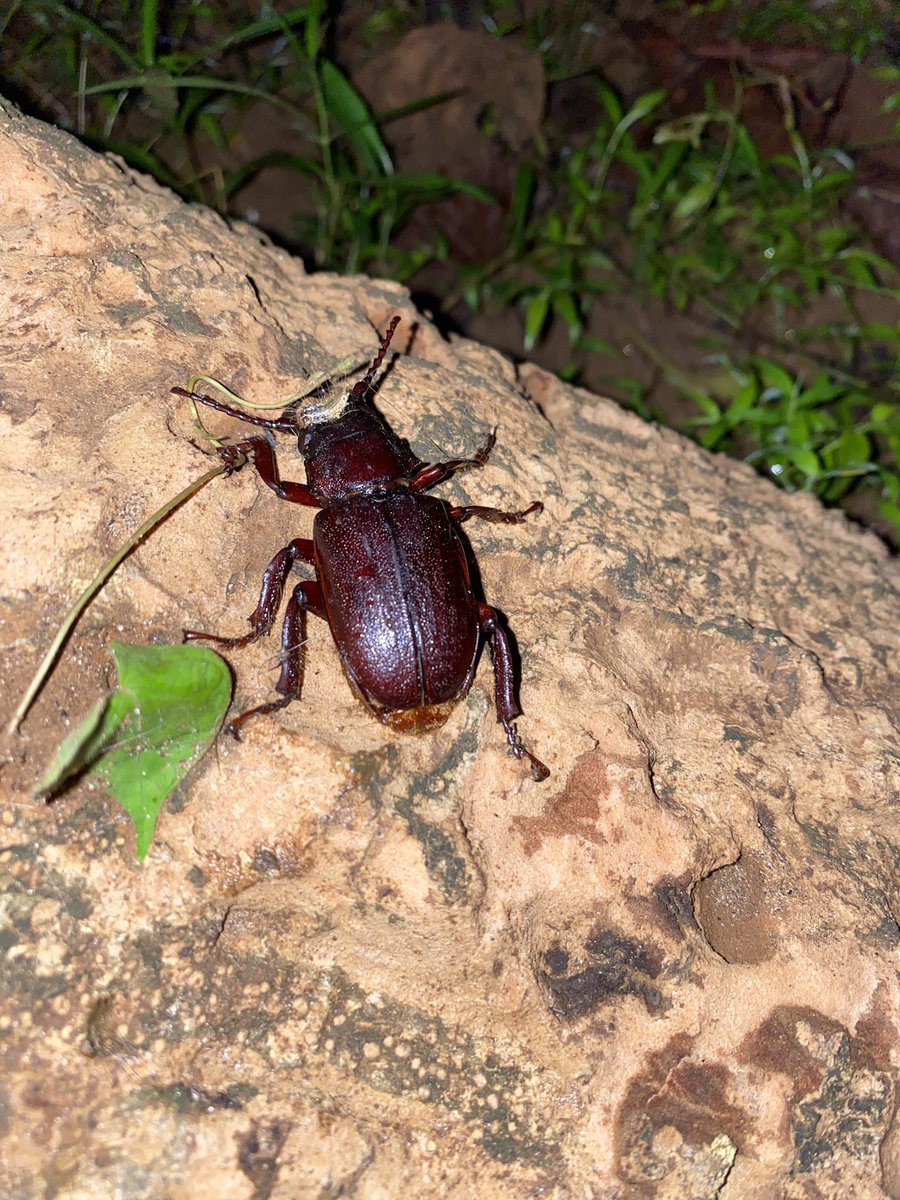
392,578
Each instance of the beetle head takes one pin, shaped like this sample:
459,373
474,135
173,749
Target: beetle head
332,406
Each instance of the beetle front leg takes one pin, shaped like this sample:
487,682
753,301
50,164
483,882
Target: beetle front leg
431,473
306,596
262,455
505,687
495,515
299,550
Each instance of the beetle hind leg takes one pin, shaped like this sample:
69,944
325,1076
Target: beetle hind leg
306,596
505,687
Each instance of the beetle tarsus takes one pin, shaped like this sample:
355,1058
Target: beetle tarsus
428,474
235,725
306,597
539,771
481,455
233,643
234,456
495,515
262,617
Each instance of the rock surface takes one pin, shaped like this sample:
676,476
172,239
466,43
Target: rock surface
356,963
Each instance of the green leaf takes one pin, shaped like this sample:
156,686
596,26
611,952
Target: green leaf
274,158
349,111
151,81
148,32
610,102
146,736
313,31
644,105
253,31
520,205
80,747
693,201
415,106
688,128
774,378
883,413
431,185
890,512
599,346
804,460
851,450
535,318
821,391
564,306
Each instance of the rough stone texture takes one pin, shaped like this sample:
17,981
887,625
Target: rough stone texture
356,963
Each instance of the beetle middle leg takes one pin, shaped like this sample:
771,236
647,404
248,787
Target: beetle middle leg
495,515
299,550
306,596
507,703
429,474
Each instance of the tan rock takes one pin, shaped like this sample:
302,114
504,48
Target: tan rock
357,963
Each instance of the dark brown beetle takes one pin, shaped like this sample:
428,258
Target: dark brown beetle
392,579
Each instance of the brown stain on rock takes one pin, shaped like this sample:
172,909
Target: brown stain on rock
786,1043
733,907
692,1098
876,1038
838,1110
576,810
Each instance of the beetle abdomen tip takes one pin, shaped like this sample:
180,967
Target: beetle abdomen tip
418,720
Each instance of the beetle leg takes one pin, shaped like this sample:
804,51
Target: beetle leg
493,514
305,596
262,454
300,549
505,686
429,474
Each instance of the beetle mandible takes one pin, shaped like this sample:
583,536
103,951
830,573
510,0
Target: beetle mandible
392,579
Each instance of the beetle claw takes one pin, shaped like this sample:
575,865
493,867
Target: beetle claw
232,457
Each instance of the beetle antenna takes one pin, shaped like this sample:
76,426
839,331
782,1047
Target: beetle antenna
364,385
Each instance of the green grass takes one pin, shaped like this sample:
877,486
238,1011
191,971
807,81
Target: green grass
681,212
750,245
168,97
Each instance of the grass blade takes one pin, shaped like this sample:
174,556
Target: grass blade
46,665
